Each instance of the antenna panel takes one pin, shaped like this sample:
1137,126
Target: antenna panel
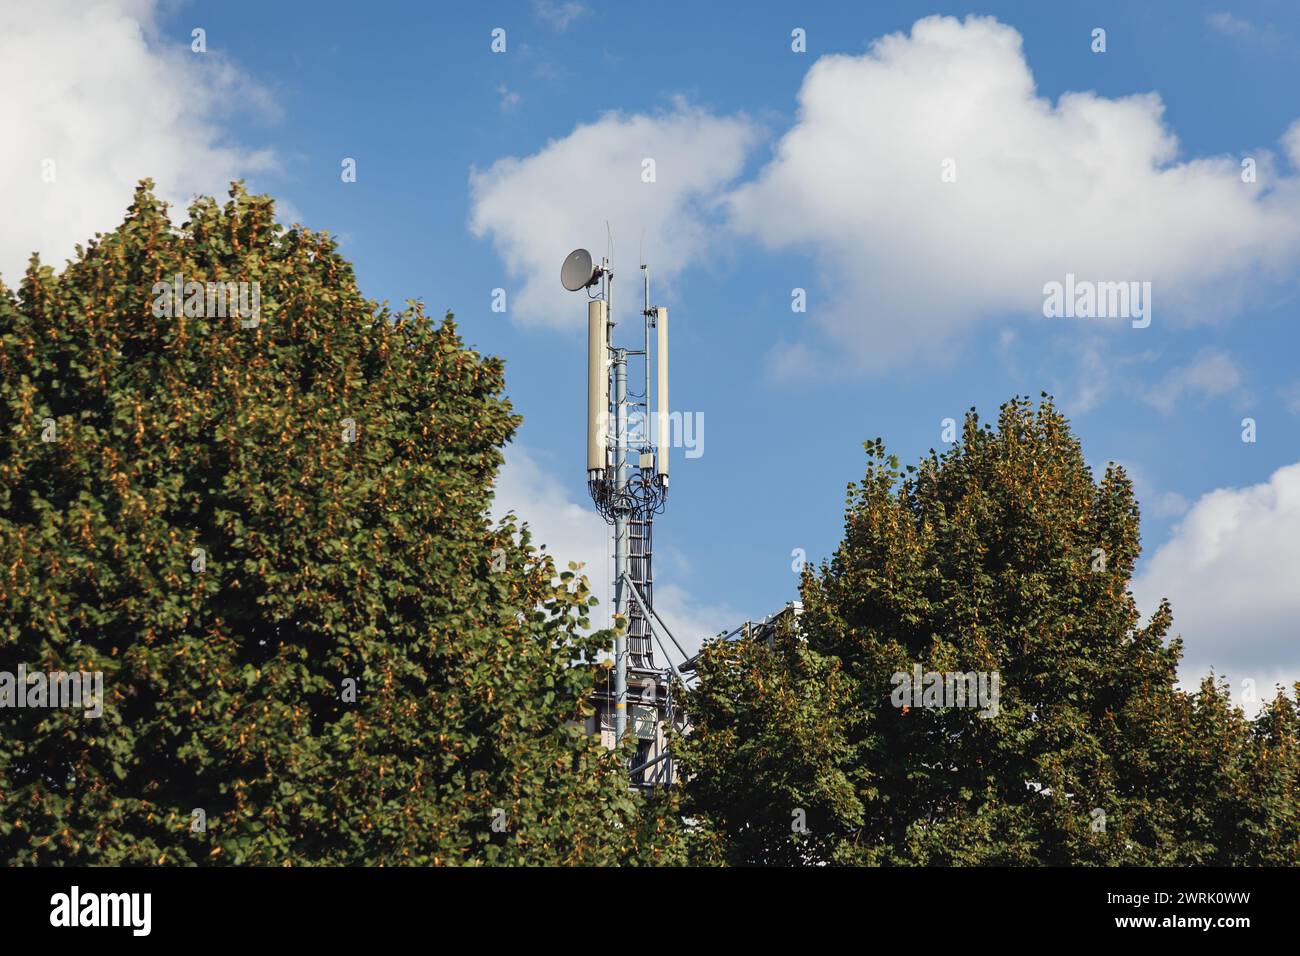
597,384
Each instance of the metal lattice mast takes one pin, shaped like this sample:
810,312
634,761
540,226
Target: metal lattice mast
627,474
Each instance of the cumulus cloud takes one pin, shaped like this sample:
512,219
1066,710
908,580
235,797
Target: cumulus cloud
95,96
1230,569
536,208
1087,185
909,263
573,531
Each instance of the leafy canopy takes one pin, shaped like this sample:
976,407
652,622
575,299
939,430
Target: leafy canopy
272,540
1002,556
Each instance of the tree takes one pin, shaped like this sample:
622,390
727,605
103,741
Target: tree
766,759
1001,560
267,528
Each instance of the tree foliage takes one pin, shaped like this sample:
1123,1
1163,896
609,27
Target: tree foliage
359,667
1000,556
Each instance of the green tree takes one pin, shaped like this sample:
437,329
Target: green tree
269,533
766,722
1002,556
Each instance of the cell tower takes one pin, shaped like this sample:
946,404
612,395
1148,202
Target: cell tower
627,474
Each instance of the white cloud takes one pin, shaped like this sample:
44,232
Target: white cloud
1229,25
570,531
1155,502
1085,184
575,532
509,98
1230,569
538,208
908,263
92,87
1242,30
558,14
1290,395
1085,372
1211,374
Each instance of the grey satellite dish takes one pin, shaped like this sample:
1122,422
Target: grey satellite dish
577,271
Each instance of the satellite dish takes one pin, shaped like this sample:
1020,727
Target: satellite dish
577,271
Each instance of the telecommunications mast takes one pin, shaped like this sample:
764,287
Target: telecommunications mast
627,474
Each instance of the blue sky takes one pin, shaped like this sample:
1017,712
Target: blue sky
896,336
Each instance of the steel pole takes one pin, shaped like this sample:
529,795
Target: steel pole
620,544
